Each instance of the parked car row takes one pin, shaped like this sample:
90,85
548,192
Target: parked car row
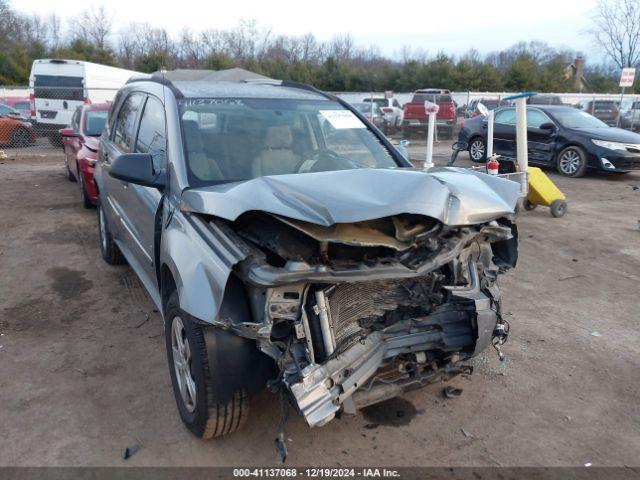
273,229
80,142
571,140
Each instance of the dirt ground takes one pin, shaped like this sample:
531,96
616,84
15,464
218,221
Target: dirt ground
84,373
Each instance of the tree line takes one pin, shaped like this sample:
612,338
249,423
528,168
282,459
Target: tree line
336,65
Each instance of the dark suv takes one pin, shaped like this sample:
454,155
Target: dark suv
288,243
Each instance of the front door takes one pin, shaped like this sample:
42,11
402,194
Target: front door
540,141
140,204
116,191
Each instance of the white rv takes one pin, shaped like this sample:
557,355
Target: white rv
58,87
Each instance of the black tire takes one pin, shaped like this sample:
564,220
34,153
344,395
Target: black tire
572,162
55,140
20,138
528,206
450,132
201,413
477,150
108,248
84,198
68,172
558,208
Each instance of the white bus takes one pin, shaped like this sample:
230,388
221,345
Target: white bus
57,87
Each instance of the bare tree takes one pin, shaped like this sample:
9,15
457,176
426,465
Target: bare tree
617,30
94,26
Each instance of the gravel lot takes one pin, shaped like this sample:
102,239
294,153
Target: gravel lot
84,371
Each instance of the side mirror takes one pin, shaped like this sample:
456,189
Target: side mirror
547,126
68,132
136,168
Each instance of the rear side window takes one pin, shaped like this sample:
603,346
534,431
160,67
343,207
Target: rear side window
58,87
507,117
75,121
125,122
22,106
151,134
431,97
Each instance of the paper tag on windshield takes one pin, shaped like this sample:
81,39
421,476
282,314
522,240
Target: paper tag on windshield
341,119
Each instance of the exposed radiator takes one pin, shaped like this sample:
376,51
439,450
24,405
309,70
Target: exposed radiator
350,303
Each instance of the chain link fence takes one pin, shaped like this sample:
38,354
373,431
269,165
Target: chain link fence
49,120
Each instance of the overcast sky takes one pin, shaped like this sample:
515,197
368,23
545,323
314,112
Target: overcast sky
450,26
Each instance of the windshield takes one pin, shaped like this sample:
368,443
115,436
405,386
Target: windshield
94,122
58,87
228,140
571,118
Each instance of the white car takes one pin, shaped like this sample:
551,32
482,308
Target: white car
391,110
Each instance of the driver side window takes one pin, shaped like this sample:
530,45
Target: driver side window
535,118
152,137
507,117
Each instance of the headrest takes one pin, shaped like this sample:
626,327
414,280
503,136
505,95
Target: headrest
192,136
279,137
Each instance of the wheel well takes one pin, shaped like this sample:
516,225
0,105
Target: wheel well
167,285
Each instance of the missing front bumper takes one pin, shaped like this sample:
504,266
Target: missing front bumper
455,328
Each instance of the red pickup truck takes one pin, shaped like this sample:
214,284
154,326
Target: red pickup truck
415,117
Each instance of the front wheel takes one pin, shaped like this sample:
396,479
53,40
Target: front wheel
84,198
558,208
191,377
572,162
477,150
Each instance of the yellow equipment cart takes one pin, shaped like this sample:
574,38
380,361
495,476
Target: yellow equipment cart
542,191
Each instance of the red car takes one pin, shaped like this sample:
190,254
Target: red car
80,141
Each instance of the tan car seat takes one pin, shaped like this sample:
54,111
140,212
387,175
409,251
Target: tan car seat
277,158
202,166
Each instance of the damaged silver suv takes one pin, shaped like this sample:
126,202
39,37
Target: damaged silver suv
289,245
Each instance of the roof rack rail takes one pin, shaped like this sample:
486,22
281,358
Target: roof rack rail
157,77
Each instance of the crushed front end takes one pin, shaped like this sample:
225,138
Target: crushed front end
357,313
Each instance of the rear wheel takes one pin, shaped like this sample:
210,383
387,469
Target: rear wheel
108,248
191,377
69,173
477,150
86,201
572,162
20,138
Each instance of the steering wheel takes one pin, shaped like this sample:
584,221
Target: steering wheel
326,160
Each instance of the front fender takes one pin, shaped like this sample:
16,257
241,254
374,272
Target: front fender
200,262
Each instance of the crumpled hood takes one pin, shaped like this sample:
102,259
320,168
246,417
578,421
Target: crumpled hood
455,196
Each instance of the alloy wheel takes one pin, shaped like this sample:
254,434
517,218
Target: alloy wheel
570,162
476,150
182,364
103,229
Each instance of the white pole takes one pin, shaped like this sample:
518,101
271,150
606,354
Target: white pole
430,133
521,134
490,134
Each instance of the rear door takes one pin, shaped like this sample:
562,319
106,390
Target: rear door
56,97
504,132
114,195
540,142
